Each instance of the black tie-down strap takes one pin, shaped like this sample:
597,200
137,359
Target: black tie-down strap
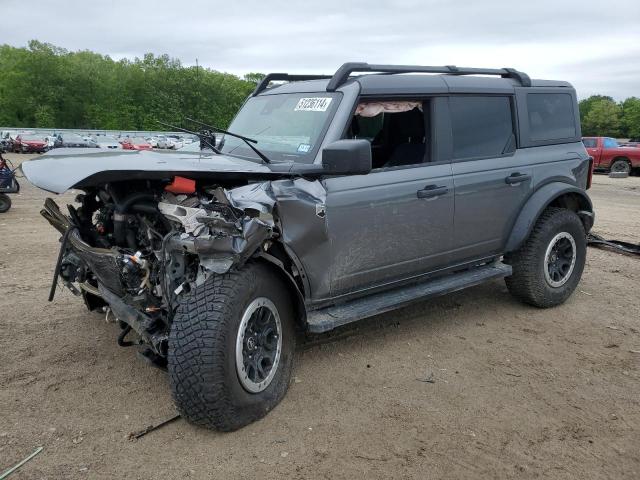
626,247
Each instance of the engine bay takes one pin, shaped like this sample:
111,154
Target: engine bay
135,249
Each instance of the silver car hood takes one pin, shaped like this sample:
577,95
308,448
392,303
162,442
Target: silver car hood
65,168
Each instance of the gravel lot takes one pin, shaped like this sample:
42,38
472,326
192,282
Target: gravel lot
517,392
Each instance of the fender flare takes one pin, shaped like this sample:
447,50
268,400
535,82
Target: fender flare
299,302
538,202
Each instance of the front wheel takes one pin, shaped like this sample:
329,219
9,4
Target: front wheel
5,202
231,348
548,267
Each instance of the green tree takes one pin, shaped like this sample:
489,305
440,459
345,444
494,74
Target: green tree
254,77
44,117
43,85
587,104
603,119
631,117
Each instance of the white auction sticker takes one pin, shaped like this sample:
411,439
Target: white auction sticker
313,104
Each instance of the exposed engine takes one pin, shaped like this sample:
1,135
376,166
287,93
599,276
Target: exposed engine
135,248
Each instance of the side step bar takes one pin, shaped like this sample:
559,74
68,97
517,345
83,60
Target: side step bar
325,319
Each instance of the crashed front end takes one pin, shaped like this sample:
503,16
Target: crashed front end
136,249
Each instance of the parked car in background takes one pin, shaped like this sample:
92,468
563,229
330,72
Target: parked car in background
25,143
165,142
608,155
73,140
176,141
153,141
105,141
6,142
51,141
136,143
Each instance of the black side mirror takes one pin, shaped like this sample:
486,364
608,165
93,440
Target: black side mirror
347,157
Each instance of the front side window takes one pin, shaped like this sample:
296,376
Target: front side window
610,143
481,126
551,116
288,127
590,142
397,129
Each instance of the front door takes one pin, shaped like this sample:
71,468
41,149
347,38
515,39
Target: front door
389,225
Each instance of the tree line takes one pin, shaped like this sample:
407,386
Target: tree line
603,116
42,85
46,86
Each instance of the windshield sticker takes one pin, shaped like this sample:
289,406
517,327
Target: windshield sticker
313,104
304,147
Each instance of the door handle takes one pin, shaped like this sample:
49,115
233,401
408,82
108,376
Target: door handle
517,178
431,191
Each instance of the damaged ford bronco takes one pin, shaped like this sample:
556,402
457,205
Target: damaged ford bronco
331,199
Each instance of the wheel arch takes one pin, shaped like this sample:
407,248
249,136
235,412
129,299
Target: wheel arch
621,157
551,195
297,295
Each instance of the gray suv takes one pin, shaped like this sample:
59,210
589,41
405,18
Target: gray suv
329,200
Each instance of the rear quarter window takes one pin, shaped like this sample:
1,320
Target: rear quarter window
551,116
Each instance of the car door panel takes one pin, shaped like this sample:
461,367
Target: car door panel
489,194
388,225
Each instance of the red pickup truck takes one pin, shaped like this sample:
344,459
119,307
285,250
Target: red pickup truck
609,155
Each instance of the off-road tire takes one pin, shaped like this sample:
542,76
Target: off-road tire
528,282
202,344
5,202
620,166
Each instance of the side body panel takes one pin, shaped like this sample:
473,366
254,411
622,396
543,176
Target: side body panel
486,205
381,232
596,152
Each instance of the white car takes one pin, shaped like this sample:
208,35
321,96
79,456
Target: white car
177,142
104,141
51,141
165,142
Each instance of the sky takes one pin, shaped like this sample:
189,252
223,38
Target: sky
594,45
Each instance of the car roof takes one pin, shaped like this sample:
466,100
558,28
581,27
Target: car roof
416,84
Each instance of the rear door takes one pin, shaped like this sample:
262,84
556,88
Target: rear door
491,181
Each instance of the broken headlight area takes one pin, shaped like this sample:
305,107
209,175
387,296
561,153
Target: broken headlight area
133,250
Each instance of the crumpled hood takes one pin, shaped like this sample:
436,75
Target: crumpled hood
66,168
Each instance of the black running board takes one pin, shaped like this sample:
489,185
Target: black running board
325,319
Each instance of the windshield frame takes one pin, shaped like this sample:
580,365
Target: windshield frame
243,151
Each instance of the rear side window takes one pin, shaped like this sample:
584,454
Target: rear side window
590,142
610,143
551,116
481,126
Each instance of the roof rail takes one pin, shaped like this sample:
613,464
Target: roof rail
343,73
285,77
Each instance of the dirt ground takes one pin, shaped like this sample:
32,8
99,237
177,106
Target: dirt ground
517,392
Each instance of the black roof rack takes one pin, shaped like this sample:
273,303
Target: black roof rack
343,73
274,77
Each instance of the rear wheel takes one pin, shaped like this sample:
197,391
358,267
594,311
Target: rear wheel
231,348
620,166
548,267
5,202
